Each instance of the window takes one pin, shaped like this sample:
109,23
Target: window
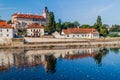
67,35
7,30
0,35
0,30
73,35
7,35
82,35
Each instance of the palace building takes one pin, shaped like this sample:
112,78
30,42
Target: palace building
21,20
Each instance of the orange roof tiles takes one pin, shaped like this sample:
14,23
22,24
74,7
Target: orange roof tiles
3,24
79,30
35,25
17,15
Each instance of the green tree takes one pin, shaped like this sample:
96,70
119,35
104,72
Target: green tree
103,31
115,28
50,26
85,26
76,24
98,23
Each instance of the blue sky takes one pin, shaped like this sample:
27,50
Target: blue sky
83,11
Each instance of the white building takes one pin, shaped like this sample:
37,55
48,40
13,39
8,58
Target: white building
35,30
80,33
21,20
6,31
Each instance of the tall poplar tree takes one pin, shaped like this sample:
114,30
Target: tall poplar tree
50,26
98,23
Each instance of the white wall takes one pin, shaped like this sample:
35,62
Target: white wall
29,32
6,33
89,35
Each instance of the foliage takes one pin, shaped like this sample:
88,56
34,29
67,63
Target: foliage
50,26
103,31
9,21
22,32
98,23
115,28
85,26
112,34
66,25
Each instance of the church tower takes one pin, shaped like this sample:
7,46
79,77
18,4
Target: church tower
46,13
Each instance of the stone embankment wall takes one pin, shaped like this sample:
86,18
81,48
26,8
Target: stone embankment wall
52,43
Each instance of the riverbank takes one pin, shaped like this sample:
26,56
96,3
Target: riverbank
52,43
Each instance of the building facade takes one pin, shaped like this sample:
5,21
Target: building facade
35,30
21,21
80,33
6,31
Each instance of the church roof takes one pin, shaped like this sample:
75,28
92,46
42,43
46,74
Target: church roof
29,16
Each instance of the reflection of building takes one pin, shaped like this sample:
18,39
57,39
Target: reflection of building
35,30
80,33
46,58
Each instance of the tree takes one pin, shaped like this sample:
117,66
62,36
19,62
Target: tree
50,26
76,24
103,31
85,26
98,23
9,21
115,28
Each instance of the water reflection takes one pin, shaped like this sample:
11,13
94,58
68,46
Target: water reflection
46,58
98,57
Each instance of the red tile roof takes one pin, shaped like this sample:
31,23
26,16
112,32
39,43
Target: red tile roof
35,25
79,30
4,24
17,15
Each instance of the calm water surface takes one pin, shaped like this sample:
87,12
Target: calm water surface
68,64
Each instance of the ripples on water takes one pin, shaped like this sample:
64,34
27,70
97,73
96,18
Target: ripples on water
68,64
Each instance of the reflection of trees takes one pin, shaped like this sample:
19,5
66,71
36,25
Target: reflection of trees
51,63
99,56
115,50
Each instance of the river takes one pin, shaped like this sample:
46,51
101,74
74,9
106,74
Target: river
60,64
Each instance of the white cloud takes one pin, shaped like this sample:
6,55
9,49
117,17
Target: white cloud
99,10
103,9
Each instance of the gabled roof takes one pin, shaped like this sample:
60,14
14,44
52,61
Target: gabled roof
29,16
79,30
35,25
4,24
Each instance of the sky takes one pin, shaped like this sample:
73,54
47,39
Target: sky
83,11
